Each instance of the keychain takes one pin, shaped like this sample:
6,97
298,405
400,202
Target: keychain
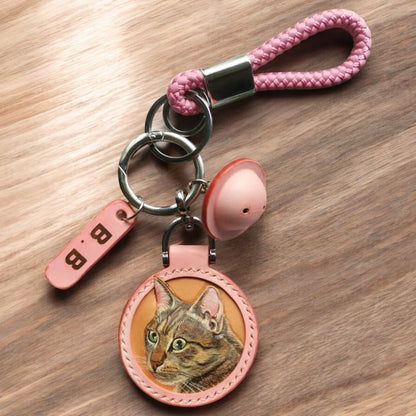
188,334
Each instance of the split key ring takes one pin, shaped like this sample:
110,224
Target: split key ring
205,123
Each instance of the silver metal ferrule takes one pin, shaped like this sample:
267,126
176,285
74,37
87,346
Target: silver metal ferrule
229,81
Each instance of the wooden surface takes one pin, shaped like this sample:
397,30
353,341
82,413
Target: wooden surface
330,268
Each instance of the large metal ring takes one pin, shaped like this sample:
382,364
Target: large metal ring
149,139
206,121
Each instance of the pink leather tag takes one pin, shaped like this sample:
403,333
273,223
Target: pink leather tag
90,244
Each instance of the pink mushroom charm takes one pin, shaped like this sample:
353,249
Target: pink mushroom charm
235,199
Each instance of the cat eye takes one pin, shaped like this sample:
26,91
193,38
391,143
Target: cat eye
152,336
178,344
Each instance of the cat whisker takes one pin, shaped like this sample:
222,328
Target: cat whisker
193,387
188,388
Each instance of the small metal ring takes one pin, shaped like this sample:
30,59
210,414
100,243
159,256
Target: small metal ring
138,210
203,182
187,133
151,138
207,134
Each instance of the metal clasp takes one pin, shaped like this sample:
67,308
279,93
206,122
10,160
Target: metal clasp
184,210
151,138
166,235
229,81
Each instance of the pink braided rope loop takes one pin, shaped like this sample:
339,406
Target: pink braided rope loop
330,19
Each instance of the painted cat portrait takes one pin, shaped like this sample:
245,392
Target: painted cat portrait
190,347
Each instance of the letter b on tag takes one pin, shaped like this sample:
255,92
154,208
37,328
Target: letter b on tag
92,243
100,234
75,259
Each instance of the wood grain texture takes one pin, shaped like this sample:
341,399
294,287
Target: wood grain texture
330,269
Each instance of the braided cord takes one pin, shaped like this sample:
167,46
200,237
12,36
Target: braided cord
330,19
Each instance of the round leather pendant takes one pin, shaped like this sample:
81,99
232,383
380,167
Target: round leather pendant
188,335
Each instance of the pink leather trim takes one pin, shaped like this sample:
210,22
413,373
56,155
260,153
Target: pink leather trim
181,256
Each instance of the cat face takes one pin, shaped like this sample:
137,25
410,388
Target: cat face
187,344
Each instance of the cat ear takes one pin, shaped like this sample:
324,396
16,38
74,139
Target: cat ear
209,305
165,298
